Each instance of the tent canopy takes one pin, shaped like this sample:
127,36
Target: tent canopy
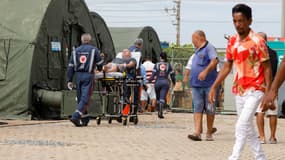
18,28
36,40
103,34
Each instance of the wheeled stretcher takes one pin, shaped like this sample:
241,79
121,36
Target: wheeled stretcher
113,87
111,90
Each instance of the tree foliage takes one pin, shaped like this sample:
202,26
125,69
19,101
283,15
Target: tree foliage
179,55
176,53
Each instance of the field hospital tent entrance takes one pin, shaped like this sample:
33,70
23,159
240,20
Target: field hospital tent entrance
36,40
125,37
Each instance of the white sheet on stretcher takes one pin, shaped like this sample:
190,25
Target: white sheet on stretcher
109,75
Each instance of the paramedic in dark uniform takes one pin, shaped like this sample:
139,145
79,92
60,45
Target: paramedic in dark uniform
129,66
161,71
82,62
137,47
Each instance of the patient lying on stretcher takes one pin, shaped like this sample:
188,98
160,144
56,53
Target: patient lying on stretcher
110,70
118,65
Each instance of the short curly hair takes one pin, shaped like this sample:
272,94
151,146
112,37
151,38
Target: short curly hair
244,9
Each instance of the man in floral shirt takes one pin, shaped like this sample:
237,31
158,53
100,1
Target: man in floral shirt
247,51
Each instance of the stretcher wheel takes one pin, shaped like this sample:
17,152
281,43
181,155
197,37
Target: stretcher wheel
98,120
110,120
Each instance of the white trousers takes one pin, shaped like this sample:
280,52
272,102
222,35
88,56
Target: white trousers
246,106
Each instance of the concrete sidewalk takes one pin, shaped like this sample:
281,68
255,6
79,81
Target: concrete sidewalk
151,139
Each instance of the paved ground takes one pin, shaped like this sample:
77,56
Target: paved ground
151,139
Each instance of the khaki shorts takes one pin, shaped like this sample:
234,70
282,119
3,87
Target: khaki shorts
269,112
149,93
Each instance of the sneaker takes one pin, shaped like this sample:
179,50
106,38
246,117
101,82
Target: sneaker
76,122
194,137
273,141
214,130
209,137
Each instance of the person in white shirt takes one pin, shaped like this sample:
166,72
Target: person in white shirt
188,69
148,91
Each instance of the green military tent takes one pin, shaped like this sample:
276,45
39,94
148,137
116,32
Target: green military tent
125,37
103,34
36,39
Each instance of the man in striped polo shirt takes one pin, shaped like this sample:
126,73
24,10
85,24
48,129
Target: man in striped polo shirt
149,90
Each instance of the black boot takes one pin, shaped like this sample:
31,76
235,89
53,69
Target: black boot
160,110
75,119
85,119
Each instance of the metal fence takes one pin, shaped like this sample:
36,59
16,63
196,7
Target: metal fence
180,97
